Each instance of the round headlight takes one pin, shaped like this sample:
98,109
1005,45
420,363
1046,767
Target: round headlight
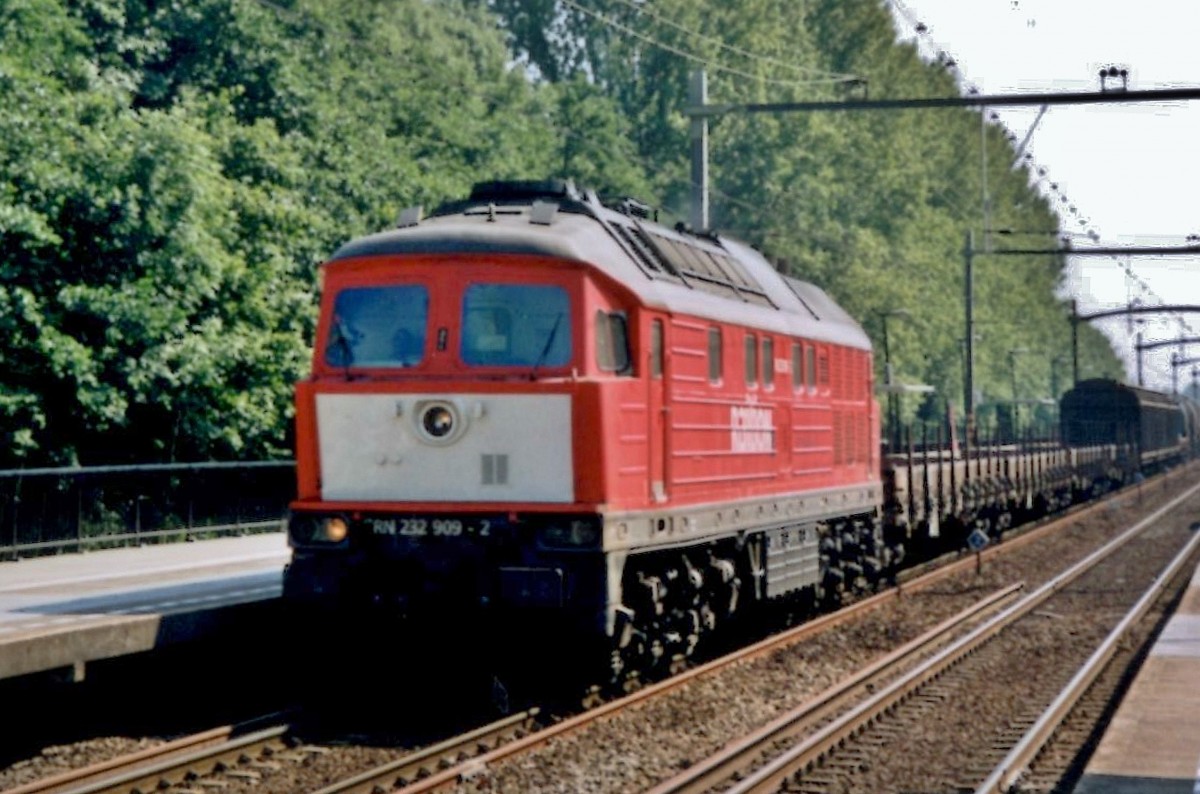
336,529
438,421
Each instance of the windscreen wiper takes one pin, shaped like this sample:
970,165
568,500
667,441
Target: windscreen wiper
546,347
340,338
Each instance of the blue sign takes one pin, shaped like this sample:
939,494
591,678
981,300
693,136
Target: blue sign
977,540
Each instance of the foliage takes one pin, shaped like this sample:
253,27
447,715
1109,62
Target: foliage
171,174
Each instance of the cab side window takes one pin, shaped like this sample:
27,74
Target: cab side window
612,342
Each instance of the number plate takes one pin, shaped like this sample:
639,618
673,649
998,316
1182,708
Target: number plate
422,527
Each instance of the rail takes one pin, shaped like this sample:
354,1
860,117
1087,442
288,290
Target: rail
224,751
769,776
172,762
1009,772
741,753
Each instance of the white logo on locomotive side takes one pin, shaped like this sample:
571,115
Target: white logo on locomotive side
751,429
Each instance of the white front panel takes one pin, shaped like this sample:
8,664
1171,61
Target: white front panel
504,448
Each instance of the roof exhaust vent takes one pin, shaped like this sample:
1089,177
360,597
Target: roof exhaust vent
543,212
410,216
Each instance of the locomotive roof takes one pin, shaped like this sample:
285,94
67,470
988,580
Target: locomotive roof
670,269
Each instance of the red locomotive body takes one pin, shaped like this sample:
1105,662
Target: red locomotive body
532,404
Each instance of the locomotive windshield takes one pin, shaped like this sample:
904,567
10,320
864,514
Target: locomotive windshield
378,327
516,325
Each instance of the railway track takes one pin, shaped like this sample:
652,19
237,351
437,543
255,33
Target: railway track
1050,754
478,766
168,763
828,757
245,753
470,757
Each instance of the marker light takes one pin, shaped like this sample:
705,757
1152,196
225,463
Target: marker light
336,529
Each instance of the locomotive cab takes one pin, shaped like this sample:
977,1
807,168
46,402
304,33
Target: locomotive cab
445,462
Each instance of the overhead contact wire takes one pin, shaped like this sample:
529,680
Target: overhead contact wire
715,65
832,76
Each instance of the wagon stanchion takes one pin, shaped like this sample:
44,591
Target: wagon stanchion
925,472
1028,452
955,496
941,479
993,468
906,435
985,458
966,453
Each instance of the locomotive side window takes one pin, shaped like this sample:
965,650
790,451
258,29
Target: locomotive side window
520,325
797,371
715,365
378,327
768,362
751,360
656,349
810,367
612,342
604,344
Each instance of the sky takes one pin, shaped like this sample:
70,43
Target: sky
1131,171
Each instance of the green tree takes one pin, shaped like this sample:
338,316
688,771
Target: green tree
172,174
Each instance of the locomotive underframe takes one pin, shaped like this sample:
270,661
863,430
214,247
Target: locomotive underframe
668,599
648,607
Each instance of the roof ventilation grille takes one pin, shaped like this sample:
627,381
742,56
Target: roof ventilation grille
410,216
543,212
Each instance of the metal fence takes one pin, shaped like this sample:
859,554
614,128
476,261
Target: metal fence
47,511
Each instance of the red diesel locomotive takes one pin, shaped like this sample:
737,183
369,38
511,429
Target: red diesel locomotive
534,407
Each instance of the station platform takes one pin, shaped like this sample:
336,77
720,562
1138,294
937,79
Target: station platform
62,612
1152,745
